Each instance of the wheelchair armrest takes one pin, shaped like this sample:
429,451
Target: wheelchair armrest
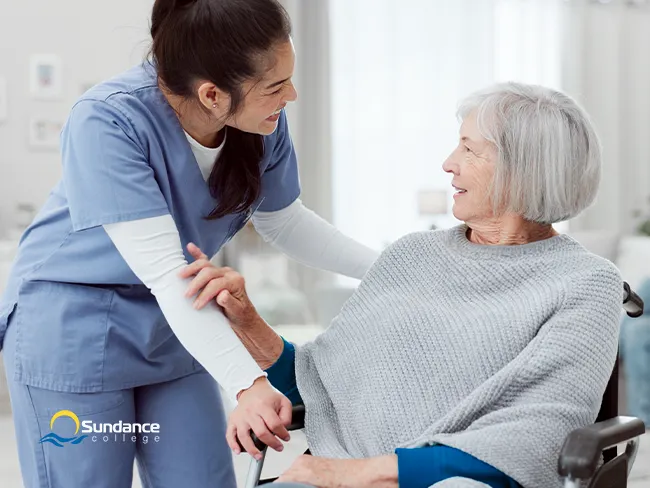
297,423
583,447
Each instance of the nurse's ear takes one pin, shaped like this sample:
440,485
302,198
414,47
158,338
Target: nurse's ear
214,99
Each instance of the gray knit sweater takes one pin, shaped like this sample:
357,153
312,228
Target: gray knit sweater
499,351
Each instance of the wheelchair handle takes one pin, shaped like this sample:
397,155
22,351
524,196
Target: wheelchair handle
632,303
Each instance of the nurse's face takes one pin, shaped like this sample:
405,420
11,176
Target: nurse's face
260,110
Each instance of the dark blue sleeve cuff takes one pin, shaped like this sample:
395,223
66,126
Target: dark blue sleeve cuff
415,468
422,467
282,374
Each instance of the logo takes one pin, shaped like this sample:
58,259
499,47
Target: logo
119,432
59,441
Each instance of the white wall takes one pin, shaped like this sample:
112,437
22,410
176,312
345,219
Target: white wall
95,40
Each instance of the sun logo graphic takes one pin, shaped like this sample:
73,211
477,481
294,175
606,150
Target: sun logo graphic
59,441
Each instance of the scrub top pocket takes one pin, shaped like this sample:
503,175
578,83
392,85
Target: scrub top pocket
61,335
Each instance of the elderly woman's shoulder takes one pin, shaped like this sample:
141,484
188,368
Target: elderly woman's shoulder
414,246
586,260
589,275
418,238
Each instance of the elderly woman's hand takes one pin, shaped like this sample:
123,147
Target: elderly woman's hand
321,472
224,285
377,472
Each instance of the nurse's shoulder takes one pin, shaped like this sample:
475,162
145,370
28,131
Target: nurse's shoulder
131,101
136,79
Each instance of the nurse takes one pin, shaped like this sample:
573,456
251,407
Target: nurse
107,358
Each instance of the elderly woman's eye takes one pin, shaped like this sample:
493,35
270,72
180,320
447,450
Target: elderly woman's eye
467,149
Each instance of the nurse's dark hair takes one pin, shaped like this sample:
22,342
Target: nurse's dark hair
225,42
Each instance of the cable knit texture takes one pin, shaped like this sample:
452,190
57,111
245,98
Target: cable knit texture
499,351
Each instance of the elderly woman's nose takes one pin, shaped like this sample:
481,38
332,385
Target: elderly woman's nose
450,165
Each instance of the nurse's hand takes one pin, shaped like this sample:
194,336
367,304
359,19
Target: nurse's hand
224,285
264,410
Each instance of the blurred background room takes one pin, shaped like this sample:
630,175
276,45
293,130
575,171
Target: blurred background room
378,83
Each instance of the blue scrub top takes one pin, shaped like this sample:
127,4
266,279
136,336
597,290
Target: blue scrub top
85,322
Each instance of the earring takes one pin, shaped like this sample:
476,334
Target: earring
214,105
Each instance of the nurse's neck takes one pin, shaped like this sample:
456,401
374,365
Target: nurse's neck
204,129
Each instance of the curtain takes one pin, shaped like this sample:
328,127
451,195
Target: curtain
605,67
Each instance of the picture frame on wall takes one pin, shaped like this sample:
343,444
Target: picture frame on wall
45,77
44,133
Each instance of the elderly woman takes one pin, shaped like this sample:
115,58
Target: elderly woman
467,355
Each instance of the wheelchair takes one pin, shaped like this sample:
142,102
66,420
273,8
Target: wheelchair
583,450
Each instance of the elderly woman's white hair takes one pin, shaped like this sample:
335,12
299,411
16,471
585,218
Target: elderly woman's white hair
549,156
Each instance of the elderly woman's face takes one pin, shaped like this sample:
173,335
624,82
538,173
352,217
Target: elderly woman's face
472,166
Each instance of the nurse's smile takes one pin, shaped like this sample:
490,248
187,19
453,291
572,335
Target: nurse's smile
276,115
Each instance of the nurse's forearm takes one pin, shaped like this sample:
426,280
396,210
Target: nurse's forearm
309,239
208,337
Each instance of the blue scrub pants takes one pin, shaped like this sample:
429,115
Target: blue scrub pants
191,449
